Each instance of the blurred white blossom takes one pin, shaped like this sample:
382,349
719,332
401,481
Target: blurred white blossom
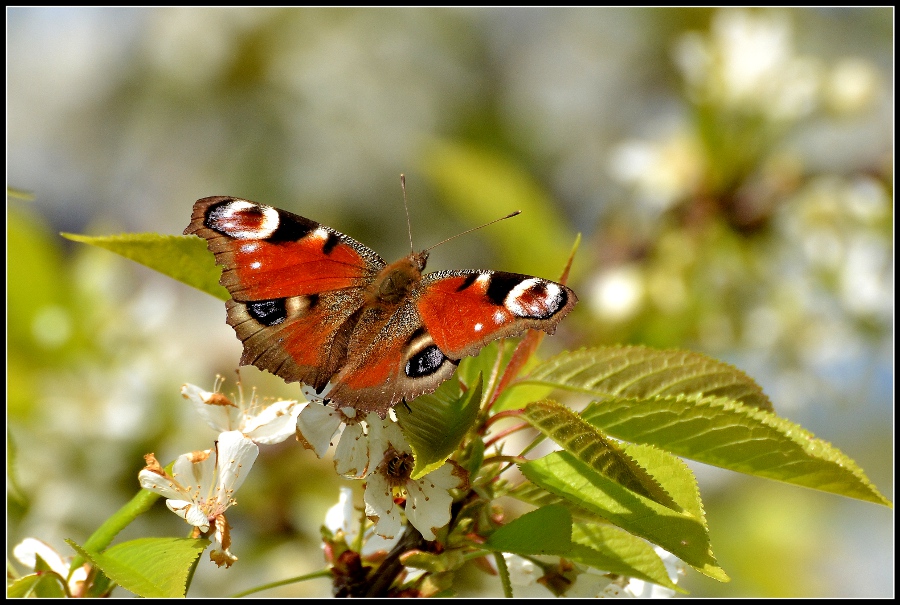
617,293
747,62
662,172
27,552
852,85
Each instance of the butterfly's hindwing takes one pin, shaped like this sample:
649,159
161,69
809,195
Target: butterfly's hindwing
304,340
400,362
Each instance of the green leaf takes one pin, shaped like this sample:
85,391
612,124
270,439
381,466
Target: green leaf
22,587
492,362
537,496
473,456
598,543
676,478
517,396
724,433
182,257
683,534
149,567
435,424
642,372
545,531
609,548
590,446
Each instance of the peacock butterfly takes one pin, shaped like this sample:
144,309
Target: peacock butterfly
313,305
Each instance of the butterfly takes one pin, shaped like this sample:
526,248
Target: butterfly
313,305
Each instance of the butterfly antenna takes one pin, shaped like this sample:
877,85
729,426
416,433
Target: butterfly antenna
496,220
406,207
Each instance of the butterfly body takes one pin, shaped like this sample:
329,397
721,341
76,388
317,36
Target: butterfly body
313,305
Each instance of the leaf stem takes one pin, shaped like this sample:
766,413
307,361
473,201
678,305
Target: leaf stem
323,573
501,458
505,433
500,416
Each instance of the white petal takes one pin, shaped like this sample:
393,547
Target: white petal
79,576
384,433
351,458
220,417
341,515
27,550
275,423
311,395
380,507
373,543
428,504
164,486
195,473
647,590
236,455
449,476
318,424
522,572
190,512
674,565
590,585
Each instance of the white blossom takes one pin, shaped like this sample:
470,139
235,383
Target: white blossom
427,499
267,424
522,572
202,486
318,424
344,517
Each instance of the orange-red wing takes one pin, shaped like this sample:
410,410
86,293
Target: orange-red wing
400,363
465,310
300,338
267,253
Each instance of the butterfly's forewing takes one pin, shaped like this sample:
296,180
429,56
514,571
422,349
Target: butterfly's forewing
269,253
294,284
465,310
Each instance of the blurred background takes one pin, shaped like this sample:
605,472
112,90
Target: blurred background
730,171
